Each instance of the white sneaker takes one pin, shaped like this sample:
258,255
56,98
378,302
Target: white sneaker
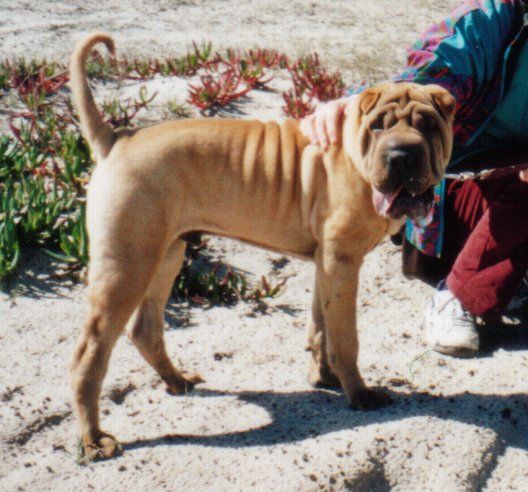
449,328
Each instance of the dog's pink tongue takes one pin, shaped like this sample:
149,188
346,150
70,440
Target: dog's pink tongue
383,201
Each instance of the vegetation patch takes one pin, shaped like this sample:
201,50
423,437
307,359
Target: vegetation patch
45,163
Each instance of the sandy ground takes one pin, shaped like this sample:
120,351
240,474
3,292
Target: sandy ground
255,423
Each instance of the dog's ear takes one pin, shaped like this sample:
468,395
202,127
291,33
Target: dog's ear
369,98
443,101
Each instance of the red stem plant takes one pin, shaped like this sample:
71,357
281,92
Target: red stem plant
311,82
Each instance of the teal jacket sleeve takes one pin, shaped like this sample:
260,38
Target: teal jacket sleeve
467,54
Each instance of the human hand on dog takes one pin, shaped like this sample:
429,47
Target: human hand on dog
524,175
322,127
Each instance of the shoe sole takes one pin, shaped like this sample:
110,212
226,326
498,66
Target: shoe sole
459,352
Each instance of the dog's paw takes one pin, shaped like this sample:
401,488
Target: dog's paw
369,399
321,376
183,384
103,447
326,380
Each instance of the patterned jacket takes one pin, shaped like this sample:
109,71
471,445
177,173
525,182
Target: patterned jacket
469,53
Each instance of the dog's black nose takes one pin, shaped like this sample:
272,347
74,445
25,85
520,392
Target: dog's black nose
405,165
399,159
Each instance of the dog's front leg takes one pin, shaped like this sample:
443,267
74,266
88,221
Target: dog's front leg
319,372
337,272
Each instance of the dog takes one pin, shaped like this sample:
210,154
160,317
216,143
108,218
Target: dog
154,186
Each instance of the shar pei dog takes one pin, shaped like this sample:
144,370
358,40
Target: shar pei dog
155,185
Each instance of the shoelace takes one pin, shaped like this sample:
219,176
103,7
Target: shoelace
460,316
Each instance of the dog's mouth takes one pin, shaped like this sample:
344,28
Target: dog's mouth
401,203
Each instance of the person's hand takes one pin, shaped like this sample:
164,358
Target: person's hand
323,126
524,175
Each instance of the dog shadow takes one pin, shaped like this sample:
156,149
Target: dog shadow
297,416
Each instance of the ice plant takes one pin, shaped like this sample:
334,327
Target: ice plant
216,90
296,104
45,163
311,83
119,113
272,59
38,79
251,70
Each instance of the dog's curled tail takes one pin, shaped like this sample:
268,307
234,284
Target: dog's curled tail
99,134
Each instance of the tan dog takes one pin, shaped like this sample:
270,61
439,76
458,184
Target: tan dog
258,182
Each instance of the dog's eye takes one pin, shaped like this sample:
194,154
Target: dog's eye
431,125
424,123
383,122
377,124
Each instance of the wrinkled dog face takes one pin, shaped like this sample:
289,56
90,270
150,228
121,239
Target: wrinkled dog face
403,144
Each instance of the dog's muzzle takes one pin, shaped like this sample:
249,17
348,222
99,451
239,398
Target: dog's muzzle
408,191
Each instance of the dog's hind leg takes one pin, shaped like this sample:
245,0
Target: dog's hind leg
145,328
117,283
